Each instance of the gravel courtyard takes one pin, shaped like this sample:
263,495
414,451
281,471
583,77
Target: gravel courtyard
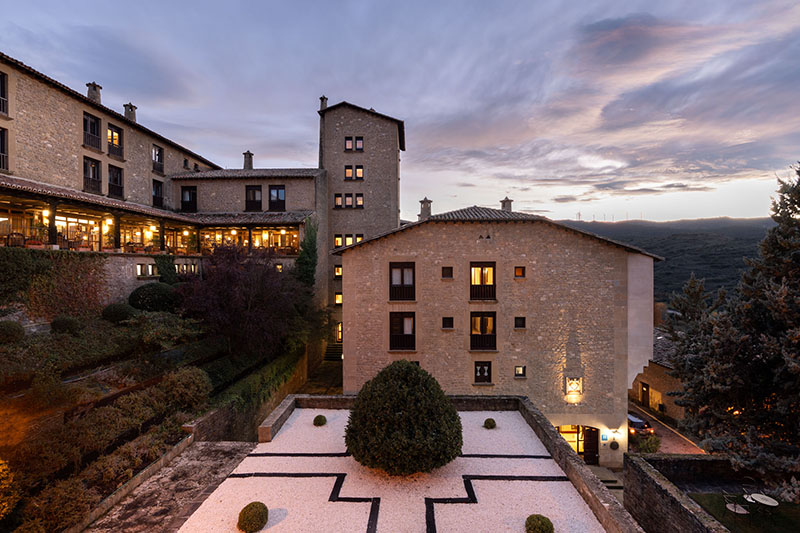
309,483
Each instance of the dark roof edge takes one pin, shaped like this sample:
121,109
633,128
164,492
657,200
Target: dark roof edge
401,128
545,220
84,99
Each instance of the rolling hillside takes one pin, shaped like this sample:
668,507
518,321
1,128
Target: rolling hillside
713,248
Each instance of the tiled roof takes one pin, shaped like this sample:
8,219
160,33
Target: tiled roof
261,217
84,99
239,173
401,129
486,214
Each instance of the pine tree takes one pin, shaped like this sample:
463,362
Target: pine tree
305,267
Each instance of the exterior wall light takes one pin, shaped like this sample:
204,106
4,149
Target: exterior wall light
574,389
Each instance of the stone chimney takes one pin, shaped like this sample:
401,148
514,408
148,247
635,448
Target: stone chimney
505,204
94,92
130,112
248,160
424,209
323,102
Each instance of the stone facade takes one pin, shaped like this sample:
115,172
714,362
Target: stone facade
227,195
659,384
122,273
574,298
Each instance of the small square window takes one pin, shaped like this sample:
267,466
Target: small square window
337,201
337,241
519,322
359,237
360,144
337,298
348,172
447,322
348,200
348,143
348,240
519,272
359,172
447,272
337,271
483,371
519,371
359,199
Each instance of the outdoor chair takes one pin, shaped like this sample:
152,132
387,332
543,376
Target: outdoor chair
734,507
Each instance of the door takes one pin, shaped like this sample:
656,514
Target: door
590,445
645,396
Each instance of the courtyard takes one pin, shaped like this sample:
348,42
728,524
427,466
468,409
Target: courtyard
309,482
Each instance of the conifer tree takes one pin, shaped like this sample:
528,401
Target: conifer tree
306,265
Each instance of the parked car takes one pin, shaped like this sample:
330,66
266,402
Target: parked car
637,426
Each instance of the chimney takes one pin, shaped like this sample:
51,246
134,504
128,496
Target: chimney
505,204
94,92
248,160
323,102
424,209
130,112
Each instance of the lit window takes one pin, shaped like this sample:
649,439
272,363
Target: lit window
519,272
337,298
519,371
348,240
482,281
337,241
483,371
447,322
279,267
348,172
140,270
114,141
482,334
360,144
337,201
359,172
348,200
359,199
359,237
348,143
337,271
519,322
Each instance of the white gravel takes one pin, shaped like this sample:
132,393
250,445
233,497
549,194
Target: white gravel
301,504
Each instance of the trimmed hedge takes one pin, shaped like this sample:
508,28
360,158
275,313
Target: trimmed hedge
154,297
253,517
257,387
403,423
537,523
11,332
65,324
116,313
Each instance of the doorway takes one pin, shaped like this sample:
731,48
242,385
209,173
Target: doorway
584,440
644,396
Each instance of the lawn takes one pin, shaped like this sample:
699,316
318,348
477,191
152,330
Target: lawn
785,518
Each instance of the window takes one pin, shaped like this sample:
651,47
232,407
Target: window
348,172
348,200
3,149
158,158
91,131
196,167
401,331
158,193
337,241
401,281
114,141
277,198
3,93
252,198
483,371
337,201
91,176
348,240
279,267
360,200
482,334
359,172
337,271
447,272
185,163
115,187
519,371
482,281
519,322
189,199
359,237
339,332
519,272
337,298
359,144
447,322
348,144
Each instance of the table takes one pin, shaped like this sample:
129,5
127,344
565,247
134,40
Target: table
763,499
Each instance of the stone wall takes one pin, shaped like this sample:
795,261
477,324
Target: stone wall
121,273
228,195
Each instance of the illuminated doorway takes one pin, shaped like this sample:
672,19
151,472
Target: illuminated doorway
584,440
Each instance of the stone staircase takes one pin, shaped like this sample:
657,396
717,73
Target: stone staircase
333,352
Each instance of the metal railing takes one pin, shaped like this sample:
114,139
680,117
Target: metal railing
92,140
401,342
401,292
252,205
117,191
189,207
92,185
158,166
482,292
482,342
4,105
4,161
158,201
115,149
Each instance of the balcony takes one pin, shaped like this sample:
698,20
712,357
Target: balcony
3,161
116,191
189,206
158,201
401,342
4,105
92,185
401,292
482,342
91,140
158,166
277,205
482,292
115,150
252,205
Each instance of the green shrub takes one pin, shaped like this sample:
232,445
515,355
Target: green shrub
60,505
537,523
162,330
403,423
187,388
116,313
154,297
11,331
47,388
649,444
489,423
253,517
65,324
9,495
166,268
320,420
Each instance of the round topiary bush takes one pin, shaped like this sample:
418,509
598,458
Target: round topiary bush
11,331
253,517
116,313
320,420
537,523
403,423
154,297
489,423
65,324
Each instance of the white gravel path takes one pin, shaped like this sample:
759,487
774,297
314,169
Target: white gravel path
301,504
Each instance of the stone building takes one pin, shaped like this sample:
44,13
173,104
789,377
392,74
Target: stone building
652,386
492,301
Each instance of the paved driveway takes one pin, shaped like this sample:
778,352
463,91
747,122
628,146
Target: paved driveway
671,440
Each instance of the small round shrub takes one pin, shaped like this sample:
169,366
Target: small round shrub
65,324
537,523
320,420
489,423
253,517
11,331
187,388
154,297
116,313
403,423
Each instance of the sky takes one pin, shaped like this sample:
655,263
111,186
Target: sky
603,110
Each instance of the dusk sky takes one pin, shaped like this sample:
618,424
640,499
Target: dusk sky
665,110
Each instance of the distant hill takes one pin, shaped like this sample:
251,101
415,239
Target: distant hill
713,248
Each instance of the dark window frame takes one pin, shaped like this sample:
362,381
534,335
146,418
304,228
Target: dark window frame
118,149
3,149
482,372
519,322
359,198
92,181
348,200
358,237
446,271
277,204
352,173
157,155
356,147
356,172
338,201
337,271
91,131
189,205
448,322
403,291
341,297
158,199
484,340
349,138
253,204
483,291
524,372
398,339
116,189
3,93
519,272
338,237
